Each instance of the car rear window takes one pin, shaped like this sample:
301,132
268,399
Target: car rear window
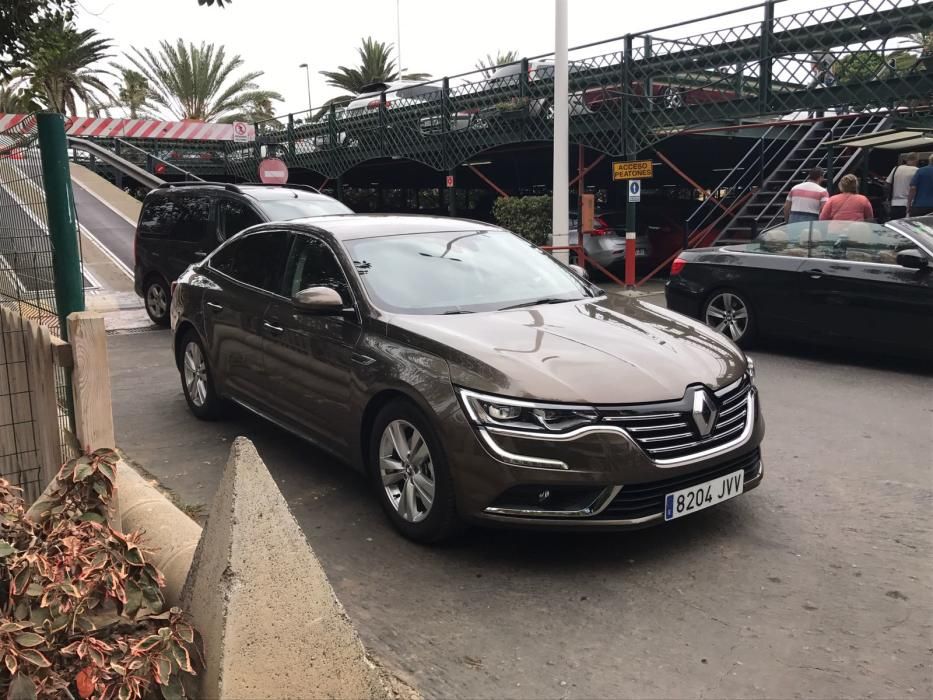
301,207
158,217
418,91
186,217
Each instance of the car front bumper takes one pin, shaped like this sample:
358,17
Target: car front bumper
606,482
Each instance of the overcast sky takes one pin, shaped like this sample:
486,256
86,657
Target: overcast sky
439,37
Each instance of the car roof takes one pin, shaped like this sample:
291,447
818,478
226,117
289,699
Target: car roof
350,226
264,194
259,192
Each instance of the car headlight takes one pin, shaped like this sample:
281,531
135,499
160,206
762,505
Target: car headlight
515,414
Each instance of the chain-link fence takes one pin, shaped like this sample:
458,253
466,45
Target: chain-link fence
28,300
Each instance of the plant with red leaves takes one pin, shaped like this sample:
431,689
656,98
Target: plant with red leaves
81,611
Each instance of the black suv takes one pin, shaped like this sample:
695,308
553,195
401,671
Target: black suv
181,223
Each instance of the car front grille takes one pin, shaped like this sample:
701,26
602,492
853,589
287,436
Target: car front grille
646,499
669,432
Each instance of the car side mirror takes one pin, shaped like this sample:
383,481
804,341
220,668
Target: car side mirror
318,300
912,258
580,271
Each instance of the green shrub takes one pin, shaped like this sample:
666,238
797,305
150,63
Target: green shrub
529,217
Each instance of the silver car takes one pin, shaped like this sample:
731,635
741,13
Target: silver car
606,245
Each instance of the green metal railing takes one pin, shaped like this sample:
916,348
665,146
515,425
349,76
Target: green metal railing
631,92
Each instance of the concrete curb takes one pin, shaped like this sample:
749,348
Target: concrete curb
171,536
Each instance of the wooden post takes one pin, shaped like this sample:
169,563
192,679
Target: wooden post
90,380
41,370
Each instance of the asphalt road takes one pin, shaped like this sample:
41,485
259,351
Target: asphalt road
817,584
111,229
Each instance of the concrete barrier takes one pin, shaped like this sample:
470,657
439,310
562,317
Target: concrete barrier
171,537
271,624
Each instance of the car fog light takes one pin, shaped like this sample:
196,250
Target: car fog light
500,412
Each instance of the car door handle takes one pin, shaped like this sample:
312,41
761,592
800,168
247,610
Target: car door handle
214,307
273,328
815,274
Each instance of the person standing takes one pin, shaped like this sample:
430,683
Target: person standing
920,196
804,201
848,205
899,185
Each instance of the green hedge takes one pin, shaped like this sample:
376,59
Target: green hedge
529,217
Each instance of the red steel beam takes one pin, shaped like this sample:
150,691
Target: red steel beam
587,169
489,182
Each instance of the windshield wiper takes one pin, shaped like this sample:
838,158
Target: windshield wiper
543,300
455,312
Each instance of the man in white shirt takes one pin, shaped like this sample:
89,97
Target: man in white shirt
898,187
804,201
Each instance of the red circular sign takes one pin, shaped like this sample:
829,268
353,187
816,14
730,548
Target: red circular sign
239,128
273,171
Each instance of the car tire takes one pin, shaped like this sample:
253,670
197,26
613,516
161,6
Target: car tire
197,380
730,313
157,298
409,470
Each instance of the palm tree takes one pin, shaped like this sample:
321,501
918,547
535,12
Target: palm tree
376,66
17,100
198,82
61,71
256,110
487,63
133,92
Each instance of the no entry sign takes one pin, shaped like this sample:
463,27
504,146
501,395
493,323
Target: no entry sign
273,171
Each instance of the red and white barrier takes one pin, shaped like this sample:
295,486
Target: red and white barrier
110,127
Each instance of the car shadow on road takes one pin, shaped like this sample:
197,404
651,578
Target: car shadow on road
838,357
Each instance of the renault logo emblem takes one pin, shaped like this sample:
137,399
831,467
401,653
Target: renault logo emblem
704,412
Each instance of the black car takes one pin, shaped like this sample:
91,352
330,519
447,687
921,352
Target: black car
181,223
851,283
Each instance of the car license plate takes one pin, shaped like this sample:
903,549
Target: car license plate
704,495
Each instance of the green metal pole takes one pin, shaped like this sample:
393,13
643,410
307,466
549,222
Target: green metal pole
63,224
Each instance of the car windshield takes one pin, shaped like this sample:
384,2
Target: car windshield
300,207
921,229
461,272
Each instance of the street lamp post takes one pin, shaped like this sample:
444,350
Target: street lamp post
308,80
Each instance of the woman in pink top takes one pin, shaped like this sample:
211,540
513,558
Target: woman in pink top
848,205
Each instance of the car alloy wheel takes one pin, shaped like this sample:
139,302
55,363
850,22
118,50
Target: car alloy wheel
672,98
407,470
157,302
728,313
196,381
195,372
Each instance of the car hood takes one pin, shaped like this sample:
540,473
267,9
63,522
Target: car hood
610,350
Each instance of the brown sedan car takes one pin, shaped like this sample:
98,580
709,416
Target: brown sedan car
472,376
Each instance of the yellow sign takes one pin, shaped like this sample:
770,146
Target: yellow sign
632,170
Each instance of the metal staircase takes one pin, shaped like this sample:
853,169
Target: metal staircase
764,201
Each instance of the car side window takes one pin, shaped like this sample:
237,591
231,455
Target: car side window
787,239
313,264
257,260
235,216
159,217
856,241
194,218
